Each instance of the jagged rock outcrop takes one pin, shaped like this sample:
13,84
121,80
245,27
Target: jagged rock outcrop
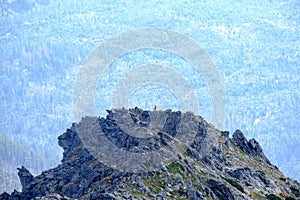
252,146
25,178
209,165
220,190
4,195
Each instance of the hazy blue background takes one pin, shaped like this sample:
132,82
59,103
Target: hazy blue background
254,45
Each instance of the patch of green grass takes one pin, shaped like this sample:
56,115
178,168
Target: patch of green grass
256,195
295,191
154,182
175,167
134,192
178,194
235,184
273,197
154,185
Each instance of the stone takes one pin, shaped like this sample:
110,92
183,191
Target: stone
225,133
4,196
102,196
193,153
179,178
176,187
240,140
52,197
26,177
161,197
241,173
220,190
194,194
15,195
127,196
262,176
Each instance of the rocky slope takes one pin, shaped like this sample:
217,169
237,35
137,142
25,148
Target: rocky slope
210,165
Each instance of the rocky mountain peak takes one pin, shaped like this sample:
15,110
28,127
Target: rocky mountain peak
138,154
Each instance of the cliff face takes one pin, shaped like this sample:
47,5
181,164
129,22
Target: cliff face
188,159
